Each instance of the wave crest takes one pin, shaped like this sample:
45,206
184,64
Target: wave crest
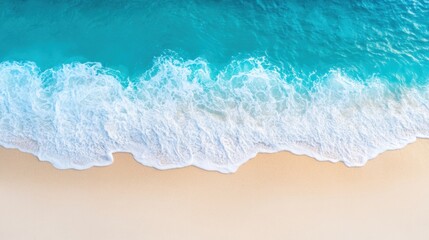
181,113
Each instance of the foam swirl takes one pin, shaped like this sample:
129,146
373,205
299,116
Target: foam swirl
181,113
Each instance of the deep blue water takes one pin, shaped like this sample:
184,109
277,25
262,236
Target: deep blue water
211,83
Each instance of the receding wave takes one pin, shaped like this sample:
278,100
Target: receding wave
181,113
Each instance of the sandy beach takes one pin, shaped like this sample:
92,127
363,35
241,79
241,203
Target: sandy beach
274,196
209,84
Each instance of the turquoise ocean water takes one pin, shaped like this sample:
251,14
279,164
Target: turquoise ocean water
211,83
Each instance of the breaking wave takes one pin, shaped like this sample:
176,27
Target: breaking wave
182,112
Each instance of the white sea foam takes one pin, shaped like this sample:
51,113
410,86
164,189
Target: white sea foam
179,114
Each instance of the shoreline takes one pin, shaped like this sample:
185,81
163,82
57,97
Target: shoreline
227,170
273,196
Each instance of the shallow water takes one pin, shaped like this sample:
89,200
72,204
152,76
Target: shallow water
211,83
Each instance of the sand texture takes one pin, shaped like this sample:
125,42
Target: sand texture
274,196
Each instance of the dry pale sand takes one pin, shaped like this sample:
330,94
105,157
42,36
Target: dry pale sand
274,196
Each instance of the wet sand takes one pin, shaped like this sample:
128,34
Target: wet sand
274,196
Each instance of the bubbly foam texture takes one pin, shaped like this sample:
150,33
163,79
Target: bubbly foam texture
180,113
